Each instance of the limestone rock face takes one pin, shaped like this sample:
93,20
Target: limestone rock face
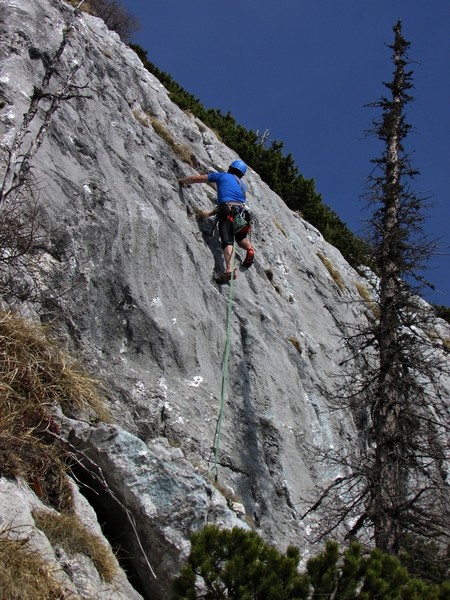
77,574
128,274
153,498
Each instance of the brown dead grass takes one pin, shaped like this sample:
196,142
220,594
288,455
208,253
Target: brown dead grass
366,296
335,275
280,227
296,343
183,152
35,376
67,531
24,575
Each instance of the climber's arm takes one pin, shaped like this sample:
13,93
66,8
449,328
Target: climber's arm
193,179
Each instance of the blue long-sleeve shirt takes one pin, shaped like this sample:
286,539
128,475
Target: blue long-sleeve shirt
229,187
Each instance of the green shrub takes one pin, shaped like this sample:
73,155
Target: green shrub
239,564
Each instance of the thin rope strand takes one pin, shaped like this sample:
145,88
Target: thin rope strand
225,368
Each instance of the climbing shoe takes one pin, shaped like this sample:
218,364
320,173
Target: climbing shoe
224,278
249,258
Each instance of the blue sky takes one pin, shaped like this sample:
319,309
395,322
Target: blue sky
305,70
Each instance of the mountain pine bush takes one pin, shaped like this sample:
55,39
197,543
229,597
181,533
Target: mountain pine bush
239,564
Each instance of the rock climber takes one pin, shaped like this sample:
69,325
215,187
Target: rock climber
230,200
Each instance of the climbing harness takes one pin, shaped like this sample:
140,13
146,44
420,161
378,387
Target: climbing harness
225,364
240,217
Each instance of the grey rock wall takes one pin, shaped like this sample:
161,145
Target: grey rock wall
128,273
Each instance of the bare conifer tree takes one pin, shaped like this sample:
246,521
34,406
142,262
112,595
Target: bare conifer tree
408,490
394,485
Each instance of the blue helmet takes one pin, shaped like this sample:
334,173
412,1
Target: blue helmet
239,165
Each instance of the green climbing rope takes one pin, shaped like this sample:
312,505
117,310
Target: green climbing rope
225,364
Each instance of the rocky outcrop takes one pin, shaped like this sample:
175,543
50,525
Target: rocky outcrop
153,497
126,272
76,572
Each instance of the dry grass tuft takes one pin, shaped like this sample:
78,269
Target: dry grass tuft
335,275
26,453
35,375
24,574
67,531
33,367
280,227
142,118
365,295
181,151
295,342
88,6
363,292
436,339
270,276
